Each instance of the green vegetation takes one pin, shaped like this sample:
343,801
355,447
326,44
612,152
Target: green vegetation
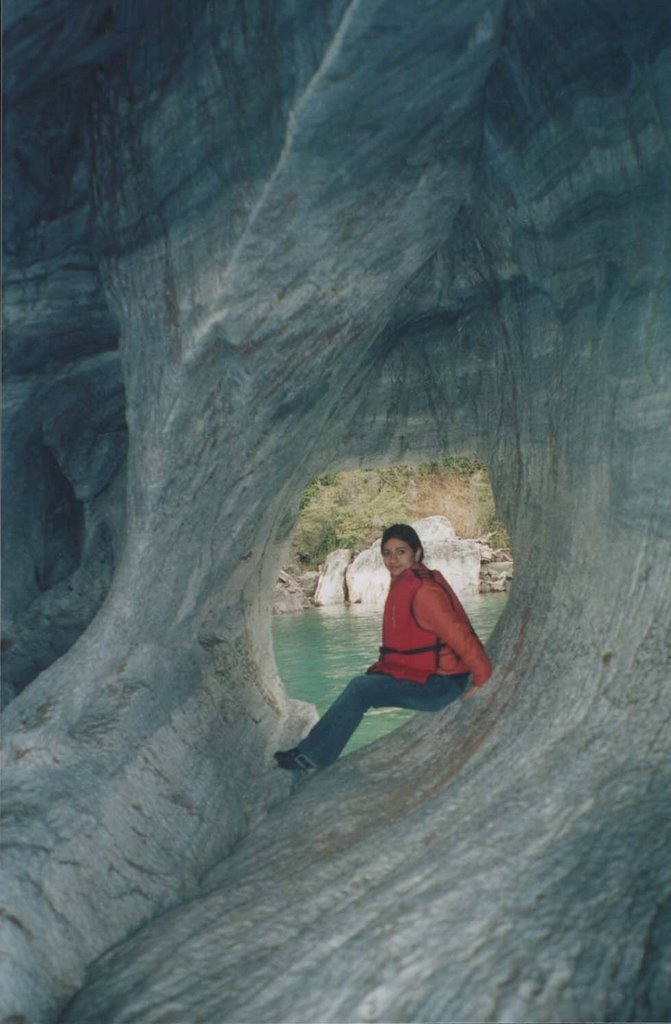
350,509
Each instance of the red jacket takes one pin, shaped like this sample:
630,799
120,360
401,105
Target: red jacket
425,630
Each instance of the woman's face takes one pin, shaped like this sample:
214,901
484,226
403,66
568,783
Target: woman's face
398,556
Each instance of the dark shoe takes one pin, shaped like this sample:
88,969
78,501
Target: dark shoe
293,760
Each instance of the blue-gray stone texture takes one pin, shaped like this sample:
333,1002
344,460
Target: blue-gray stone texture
247,243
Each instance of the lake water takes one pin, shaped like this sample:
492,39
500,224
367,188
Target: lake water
320,650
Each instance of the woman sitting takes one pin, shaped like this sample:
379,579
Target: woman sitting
430,654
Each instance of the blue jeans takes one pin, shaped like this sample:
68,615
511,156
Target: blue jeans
329,736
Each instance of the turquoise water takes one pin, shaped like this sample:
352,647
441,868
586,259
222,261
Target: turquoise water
320,650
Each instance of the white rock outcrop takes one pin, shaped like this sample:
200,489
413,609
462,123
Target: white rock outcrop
367,580
331,586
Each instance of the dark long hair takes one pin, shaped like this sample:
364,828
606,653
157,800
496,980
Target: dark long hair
405,533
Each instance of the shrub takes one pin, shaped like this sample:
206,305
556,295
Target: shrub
350,509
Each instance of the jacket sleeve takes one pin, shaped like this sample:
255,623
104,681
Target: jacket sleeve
434,611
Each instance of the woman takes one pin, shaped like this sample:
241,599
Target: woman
430,654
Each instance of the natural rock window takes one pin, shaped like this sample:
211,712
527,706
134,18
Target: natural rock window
329,597
313,235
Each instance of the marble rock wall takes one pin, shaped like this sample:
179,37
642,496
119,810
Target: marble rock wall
322,235
63,413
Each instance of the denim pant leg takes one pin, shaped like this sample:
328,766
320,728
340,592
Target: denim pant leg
436,693
329,736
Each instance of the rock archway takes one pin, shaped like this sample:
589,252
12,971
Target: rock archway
347,233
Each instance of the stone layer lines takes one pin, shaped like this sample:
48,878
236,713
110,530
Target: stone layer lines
251,243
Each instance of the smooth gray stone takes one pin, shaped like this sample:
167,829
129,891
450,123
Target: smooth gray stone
336,235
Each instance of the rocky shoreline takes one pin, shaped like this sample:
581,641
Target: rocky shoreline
348,577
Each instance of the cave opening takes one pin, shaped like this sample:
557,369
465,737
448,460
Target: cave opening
326,625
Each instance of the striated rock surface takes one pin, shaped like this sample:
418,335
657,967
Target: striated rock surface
64,425
331,586
64,488
314,236
367,579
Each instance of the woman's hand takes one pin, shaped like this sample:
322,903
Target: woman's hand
470,692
